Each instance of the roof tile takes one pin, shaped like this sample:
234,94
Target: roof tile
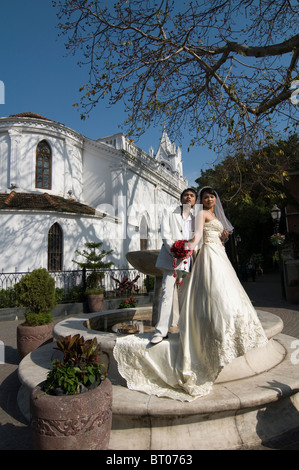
43,202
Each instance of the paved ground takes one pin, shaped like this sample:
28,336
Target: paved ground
265,294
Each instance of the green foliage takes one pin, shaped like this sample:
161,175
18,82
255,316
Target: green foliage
100,290
37,319
36,292
78,350
94,280
59,295
249,186
94,261
255,181
75,294
80,369
149,283
7,298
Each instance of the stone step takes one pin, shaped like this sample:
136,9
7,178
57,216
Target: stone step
235,415
238,413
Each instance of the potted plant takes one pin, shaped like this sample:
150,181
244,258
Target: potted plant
131,302
94,262
72,409
277,239
36,292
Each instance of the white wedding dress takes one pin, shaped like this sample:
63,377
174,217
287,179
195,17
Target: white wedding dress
217,324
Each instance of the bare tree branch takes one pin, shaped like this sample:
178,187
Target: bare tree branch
182,65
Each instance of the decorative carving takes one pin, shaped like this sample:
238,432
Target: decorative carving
34,337
69,427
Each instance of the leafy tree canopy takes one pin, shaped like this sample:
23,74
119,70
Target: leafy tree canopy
256,181
222,70
250,186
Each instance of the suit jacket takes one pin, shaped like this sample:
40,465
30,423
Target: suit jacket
172,230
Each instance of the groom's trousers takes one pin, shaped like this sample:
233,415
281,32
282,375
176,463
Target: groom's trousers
168,306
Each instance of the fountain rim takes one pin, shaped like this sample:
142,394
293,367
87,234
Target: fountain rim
78,323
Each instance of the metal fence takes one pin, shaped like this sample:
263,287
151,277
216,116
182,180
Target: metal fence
70,285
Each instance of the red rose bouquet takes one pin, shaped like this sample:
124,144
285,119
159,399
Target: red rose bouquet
181,249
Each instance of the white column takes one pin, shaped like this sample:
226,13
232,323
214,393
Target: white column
15,154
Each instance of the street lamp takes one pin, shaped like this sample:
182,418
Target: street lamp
276,214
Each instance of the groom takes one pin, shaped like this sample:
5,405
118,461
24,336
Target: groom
176,225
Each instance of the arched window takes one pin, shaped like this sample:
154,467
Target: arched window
43,167
55,248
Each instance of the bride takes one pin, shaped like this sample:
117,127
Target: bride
217,323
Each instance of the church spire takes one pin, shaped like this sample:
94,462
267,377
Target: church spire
169,155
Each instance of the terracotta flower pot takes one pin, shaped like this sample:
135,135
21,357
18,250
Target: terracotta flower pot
72,422
30,338
95,302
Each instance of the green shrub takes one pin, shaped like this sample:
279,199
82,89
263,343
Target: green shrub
149,283
59,295
36,319
76,294
98,291
7,298
36,292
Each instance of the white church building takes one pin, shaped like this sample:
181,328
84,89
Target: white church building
59,189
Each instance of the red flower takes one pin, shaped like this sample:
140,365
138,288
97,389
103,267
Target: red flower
181,249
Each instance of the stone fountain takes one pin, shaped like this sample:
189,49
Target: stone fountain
254,399
145,262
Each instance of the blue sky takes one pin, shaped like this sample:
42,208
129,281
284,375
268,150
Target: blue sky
39,77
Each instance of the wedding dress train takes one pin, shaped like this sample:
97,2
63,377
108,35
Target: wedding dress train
217,324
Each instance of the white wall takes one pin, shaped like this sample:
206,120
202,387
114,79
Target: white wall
114,177
24,239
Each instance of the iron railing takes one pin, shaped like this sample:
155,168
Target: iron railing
70,285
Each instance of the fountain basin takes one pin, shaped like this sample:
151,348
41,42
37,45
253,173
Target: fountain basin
101,324
238,413
145,261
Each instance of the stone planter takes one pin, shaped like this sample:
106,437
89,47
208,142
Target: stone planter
95,302
30,338
72,422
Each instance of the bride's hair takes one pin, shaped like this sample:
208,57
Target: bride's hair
218,209
207,189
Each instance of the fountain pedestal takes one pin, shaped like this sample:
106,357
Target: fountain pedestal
255,398
145,262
